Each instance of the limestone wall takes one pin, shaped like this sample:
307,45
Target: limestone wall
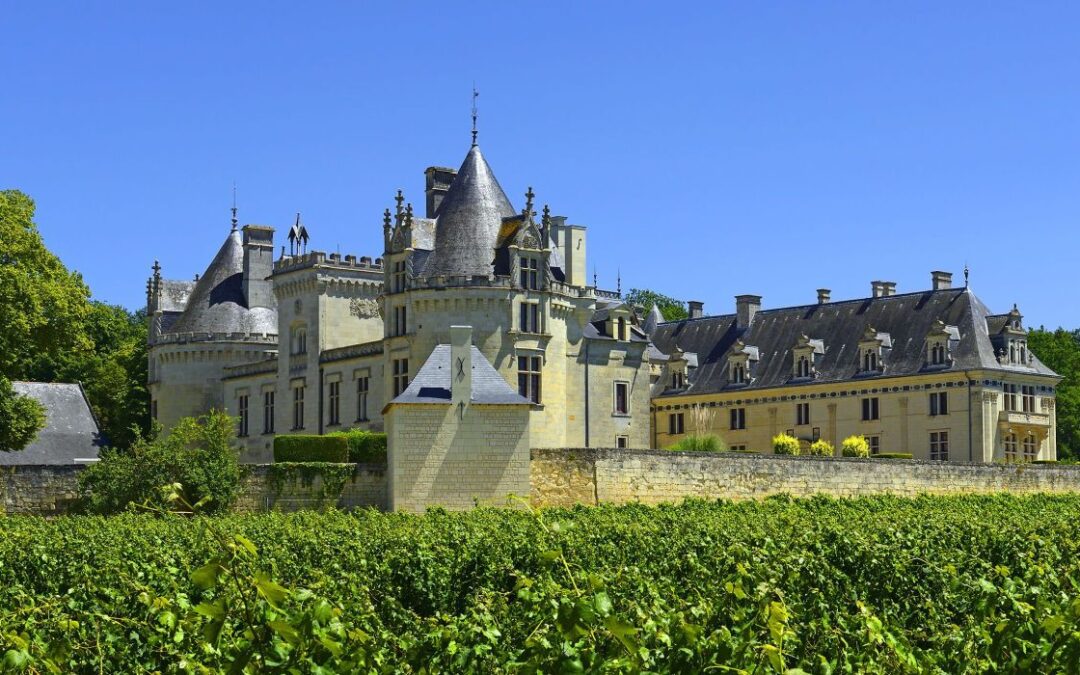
264,490
590,476
41,490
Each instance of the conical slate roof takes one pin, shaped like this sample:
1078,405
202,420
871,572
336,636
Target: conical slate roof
654,319
217,304
468,221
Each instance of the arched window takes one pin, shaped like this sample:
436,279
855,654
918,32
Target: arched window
870,360
299,340
937,354
738,374
803,367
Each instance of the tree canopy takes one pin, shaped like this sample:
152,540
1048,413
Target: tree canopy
1060,351
670,308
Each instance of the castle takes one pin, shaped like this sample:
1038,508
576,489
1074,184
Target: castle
483,306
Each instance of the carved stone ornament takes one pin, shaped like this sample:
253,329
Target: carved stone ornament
364,308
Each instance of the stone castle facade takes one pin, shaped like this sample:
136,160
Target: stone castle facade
478,319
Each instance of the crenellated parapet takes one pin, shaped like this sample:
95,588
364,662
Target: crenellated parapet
290,263
186,338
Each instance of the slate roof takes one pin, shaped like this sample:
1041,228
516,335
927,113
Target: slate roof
217,303
70,431
468,221
907,319
432,382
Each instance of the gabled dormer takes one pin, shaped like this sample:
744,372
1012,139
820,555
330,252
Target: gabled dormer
939,345
678,369
873,349
1010,340
804,356
741,361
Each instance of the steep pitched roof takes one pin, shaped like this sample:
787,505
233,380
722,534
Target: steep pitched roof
432,382
70,431
468,221
906,318
217,303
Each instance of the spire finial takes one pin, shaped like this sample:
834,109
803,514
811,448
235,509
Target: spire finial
618,281
234,220
967,273
545,219
408,214
528,212
157,269
386,219
400,199
594,282
475,95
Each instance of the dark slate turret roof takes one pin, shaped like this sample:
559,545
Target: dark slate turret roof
468,221
217,303
432,382
907,318
71,433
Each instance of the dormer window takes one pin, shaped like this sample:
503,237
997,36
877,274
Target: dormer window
678,380
871,357
803,355
937,354
738,373
739,364
621,328
530,273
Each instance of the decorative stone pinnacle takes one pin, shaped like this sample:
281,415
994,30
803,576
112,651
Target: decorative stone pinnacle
529,202
386,219
408,214
545,219
399,199
157,269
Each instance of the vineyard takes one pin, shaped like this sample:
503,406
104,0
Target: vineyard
878,585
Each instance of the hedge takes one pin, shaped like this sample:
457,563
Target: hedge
365,447
892,455
311,449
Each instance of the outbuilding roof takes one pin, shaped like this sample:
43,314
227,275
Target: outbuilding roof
432,382
71,434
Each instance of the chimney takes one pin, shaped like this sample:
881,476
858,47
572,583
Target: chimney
437,181
823,295
697,308
746,306
877,289
258,264
888,288
460,365
941,280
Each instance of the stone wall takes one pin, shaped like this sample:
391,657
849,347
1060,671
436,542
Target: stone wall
590,476
42,490
268,487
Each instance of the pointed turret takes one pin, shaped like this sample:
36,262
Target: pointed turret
652,320
468,221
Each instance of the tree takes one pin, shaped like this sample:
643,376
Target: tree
670,308
21,417
1060,351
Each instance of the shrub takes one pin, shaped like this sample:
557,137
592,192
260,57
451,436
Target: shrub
198,453
786,445
855,446
307,448
822,448
893,455
365,447
702,443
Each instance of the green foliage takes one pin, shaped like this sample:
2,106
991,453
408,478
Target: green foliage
786,445
333,475
967,584
855,446
1060,351
670,308
21,417
365,447
893,455
197,453
822,448
701,443
310,448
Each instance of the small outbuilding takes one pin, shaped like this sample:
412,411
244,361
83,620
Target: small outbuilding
71,434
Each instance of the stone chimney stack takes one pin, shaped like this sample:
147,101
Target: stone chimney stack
697,308
941,280
888,288
746,306
823,295
460,365
258,264
437,181
876,289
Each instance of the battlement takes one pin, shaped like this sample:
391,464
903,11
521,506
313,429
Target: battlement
185,338
291,263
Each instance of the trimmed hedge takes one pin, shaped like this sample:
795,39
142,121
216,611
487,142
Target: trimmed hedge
892,455
309,448
365,447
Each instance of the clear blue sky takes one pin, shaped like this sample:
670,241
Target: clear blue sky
711,150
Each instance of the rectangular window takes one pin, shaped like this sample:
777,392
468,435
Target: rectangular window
870,409
1010,447
738,448
1027,394
399,276
298,407
738,418
361,399
875,444
802,414
268,412
242,407
939,403
400,325
530,317
678,380
335,403
530,277
622,332
401,376
1010,397
675,424
939,446
622,398
1031,449
529,377
622,441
